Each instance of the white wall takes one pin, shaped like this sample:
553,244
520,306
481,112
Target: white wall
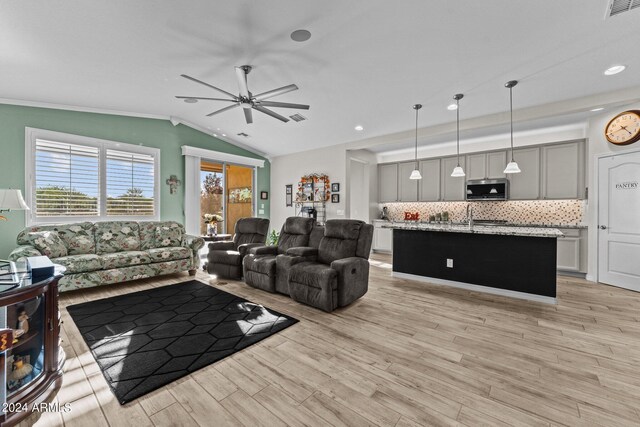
333,161
367,189
289,168
598,145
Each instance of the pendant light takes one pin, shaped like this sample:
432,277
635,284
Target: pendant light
458,171
415,174
512,166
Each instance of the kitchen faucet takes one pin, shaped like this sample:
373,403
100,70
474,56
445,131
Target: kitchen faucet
470,215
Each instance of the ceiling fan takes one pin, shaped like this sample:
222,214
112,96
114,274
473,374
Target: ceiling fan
246,99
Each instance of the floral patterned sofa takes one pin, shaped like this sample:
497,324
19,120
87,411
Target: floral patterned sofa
108,252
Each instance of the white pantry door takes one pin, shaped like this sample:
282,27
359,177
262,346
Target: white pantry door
619,220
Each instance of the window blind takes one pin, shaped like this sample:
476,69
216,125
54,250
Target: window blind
67,179
130,183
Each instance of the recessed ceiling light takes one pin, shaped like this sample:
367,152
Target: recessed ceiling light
598,109
614,70
190,100
300,35
358,128
452,107
224,134
215,134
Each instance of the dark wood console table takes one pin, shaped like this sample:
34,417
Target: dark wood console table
32,364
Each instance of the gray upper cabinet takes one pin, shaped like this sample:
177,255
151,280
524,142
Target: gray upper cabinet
388,182
407,188
476,166
563,171
526,184
550,171
486,165
496,162
429,185
452,188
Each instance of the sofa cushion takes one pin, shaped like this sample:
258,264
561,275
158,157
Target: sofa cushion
265,264
148,232
124,259
116,236
313,274
166,254
48,242
167,235
78,237
295,232
80,263
340,240
225,257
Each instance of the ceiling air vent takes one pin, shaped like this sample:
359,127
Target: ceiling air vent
243,134
617,7
297,117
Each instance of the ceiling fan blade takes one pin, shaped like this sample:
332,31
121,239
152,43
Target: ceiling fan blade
241,76
205,98
271,113
275,92
208,85
283,105
248,115
222,110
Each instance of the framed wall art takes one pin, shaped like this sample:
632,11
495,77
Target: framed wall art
289,195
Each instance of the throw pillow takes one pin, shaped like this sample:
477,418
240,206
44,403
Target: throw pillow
49,243
168,236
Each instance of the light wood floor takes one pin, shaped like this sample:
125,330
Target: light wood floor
406,354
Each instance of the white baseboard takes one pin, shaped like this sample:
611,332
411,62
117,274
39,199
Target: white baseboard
477,288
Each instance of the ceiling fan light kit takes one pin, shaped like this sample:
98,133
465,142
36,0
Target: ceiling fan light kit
246,99
458,171
512,166
415,174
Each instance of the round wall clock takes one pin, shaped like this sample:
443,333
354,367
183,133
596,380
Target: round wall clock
624,128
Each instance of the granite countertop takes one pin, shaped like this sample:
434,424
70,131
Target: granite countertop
479,229
509,224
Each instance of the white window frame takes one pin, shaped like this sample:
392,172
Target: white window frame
33,134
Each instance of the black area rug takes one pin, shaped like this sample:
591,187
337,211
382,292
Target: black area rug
145,340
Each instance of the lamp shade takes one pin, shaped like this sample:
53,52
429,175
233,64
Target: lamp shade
512,167
415,174
12,200
457,171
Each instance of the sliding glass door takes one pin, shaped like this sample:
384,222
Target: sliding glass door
227,191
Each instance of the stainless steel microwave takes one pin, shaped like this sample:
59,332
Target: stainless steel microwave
487,189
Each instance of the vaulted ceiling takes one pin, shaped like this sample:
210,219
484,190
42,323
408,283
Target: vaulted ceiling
367,62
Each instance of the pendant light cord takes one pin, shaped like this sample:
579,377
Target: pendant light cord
416,157
511,120
458,129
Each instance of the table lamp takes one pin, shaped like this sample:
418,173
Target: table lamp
11,200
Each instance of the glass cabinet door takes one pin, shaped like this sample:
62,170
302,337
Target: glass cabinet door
25,361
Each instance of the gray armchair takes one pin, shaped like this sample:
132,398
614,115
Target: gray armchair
259,265
340,273
225,258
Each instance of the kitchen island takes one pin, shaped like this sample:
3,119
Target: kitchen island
512,261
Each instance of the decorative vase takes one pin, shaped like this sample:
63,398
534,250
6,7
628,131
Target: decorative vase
212,229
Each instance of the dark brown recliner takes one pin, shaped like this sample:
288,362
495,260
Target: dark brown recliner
340,272
225,258
259,265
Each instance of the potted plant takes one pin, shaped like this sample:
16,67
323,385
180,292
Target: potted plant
212,221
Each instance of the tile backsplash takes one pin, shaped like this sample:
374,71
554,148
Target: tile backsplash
552,212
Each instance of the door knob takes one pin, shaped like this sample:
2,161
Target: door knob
603,227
